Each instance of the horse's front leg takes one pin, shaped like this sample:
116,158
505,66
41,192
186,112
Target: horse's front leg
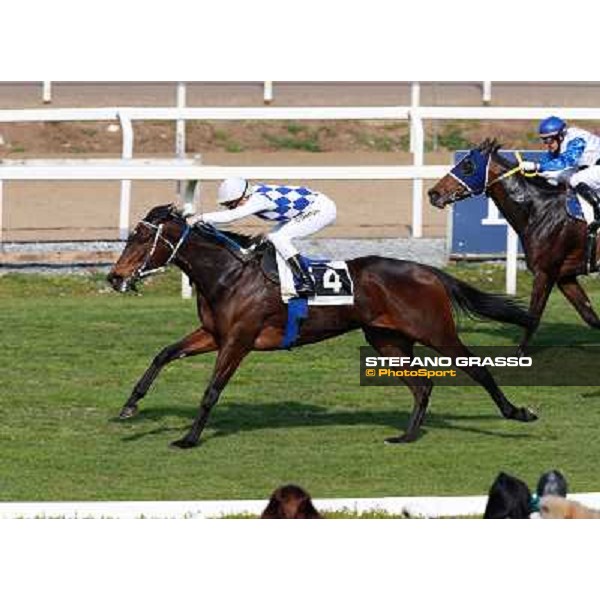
228,360
542,286
197,342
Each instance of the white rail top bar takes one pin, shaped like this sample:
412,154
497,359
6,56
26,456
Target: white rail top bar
119,170
300,113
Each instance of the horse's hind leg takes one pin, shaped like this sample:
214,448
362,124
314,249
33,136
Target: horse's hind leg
576,295
197,342
482,376
391,343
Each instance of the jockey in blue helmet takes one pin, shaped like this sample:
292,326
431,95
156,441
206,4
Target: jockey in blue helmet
573,156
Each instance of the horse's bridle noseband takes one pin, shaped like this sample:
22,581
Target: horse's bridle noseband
141,271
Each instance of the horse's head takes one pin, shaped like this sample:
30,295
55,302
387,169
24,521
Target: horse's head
468,178
151,246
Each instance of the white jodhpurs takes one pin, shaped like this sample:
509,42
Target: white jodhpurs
591,176
318,215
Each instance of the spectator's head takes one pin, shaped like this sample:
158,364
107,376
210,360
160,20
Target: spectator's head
552,483
508,498
290,502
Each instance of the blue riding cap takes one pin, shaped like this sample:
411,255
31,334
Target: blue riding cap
552,126
472,171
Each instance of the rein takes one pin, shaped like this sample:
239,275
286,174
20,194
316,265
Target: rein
511,172
142,271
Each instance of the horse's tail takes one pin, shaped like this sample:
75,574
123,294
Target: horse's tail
475,303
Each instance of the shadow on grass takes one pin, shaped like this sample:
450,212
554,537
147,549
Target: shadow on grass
230,418
548,333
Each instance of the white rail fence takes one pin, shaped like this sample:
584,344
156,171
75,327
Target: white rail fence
424,507
127,169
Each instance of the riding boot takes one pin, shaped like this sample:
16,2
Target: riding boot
591,197
306,287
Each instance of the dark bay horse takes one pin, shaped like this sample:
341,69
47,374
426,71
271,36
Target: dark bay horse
554,243
397,303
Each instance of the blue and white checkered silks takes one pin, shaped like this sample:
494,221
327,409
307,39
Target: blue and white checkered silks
291,201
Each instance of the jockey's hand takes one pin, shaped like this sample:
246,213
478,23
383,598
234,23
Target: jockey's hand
194,220
529,166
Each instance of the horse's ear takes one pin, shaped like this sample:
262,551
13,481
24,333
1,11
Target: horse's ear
487,145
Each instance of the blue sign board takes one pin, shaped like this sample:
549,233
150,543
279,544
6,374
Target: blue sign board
477,226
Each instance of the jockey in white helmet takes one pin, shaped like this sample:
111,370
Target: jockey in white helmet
573,157
297,211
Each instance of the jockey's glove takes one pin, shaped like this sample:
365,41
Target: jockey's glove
530,166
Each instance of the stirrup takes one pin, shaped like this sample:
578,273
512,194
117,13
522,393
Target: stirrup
304,290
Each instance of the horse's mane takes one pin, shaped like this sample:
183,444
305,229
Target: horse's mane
540,183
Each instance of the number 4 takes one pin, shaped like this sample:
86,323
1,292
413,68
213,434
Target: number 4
331,281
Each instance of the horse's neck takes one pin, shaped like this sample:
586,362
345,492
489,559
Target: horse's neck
210,266
516,212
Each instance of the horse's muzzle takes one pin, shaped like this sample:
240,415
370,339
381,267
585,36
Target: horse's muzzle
435,198
118,283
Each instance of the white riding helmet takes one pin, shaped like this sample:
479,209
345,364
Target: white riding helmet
232,189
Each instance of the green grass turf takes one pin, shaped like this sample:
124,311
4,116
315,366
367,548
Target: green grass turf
72,350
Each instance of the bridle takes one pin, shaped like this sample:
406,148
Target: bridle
484,185
142,271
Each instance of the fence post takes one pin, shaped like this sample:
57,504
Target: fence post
418,145
512,247
190,204
1,211
180,130
268,92
127,131
46,92
415,100
487,93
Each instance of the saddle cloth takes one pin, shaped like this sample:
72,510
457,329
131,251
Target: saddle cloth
333,283
579,209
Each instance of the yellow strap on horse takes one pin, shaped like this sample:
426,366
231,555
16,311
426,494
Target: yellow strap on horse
517,169
523,172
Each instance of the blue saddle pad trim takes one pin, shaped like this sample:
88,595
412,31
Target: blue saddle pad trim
297,311
573,208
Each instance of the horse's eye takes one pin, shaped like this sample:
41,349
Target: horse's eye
468,167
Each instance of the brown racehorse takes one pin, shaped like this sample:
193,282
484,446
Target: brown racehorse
396,304
554,243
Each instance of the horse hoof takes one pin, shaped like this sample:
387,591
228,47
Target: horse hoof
183,444
401,439
527,415
524,415
127,412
